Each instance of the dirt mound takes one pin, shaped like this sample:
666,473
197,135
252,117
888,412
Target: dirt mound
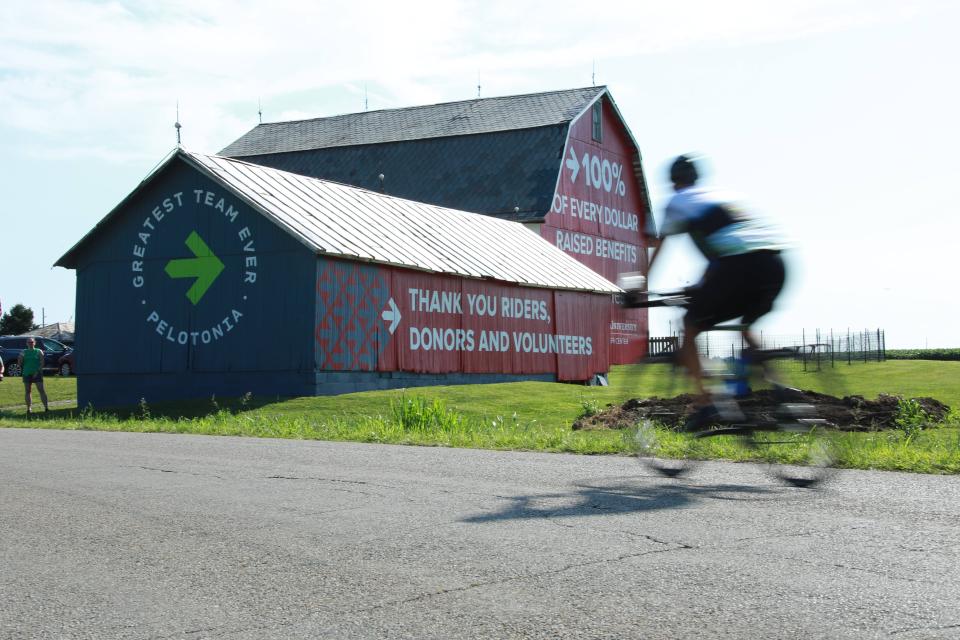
850,413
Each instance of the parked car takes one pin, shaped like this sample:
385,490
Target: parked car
12,346
67,368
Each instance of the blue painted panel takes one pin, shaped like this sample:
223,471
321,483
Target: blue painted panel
135,318
106,390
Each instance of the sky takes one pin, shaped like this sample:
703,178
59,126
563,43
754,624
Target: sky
836,120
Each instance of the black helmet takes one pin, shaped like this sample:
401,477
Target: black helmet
683,171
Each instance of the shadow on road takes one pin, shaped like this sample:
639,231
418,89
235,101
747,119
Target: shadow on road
620,495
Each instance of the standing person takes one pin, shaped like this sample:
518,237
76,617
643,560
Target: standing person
31,368
744,274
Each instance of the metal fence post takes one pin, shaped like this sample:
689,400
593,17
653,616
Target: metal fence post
832,350
803,347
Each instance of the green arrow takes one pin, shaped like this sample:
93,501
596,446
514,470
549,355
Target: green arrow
205,267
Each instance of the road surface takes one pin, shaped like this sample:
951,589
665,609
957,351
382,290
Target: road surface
115,535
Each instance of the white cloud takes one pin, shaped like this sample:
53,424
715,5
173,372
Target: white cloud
107,75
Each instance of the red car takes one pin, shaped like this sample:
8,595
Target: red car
65,366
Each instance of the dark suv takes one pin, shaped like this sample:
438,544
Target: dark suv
12,346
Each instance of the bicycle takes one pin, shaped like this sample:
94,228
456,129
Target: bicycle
793,424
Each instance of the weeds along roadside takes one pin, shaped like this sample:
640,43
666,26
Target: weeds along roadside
915,445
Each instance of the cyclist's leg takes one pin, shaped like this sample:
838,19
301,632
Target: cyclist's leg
767,277
690,359
709,305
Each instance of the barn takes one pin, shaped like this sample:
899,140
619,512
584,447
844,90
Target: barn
220,277
564,163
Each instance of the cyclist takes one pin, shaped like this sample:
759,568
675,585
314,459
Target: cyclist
744,274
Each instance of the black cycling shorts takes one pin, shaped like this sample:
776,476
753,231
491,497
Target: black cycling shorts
743,286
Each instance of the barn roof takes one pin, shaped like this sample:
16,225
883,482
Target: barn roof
467,117
498,156
342,221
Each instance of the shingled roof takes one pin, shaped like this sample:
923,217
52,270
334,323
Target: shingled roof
467,117
496,156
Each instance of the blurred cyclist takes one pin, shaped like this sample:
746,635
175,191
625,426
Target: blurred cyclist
744,274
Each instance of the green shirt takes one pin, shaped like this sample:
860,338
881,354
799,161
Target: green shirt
31,361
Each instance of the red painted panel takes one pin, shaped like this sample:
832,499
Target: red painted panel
430,335
584,319
426,323
599,212
629,330
512,326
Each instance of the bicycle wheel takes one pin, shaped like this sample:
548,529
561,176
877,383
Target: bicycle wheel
813,454
645,443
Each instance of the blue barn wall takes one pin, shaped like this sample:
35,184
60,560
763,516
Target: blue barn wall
241,335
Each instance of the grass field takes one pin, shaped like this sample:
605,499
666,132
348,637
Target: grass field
523,416
59,390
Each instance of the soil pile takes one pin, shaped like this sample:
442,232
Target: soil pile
850,413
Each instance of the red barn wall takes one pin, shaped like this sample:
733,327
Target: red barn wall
599,211
449,324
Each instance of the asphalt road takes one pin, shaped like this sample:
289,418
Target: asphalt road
112,535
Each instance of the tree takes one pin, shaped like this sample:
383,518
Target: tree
16,321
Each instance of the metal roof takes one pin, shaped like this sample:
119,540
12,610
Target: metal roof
343,221
467,117
338,220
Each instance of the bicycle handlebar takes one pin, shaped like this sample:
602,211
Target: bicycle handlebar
636,299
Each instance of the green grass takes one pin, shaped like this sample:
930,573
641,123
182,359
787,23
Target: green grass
528,416
932,450
58,390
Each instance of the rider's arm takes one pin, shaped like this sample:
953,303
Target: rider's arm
673,223
656,244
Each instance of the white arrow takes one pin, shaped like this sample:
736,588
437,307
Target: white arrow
573,165
392,315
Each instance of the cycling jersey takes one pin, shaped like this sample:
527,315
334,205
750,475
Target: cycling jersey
716,225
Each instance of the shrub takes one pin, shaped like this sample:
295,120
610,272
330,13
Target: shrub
911,418
589,407
416,414
923,354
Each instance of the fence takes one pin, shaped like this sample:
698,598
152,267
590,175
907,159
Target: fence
812,350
